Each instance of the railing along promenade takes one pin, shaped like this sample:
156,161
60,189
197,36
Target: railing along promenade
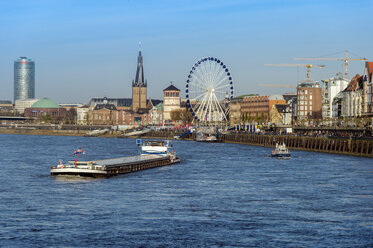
348,146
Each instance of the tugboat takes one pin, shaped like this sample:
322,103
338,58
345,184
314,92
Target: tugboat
280,151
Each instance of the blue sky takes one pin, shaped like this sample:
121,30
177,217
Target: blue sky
85,49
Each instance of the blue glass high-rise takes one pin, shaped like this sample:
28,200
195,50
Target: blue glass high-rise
24,78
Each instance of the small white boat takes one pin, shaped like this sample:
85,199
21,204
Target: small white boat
280,151
96,132
136,133
205,137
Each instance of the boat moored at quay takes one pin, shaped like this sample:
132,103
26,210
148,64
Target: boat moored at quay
153,154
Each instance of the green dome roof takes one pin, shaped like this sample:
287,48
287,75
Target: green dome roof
45,103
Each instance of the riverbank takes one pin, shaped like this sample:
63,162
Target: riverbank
54,132
362,148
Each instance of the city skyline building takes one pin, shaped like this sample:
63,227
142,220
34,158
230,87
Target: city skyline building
309,101
331,88
171,102
257,108
24,79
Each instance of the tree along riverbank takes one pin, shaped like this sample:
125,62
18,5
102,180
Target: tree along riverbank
345,146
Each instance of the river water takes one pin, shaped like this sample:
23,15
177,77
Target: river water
220,195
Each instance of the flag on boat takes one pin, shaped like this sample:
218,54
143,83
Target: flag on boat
79,151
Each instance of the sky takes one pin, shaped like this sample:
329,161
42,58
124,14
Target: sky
88,48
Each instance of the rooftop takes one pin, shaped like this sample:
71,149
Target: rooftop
45,103
105,106
171,87
275,97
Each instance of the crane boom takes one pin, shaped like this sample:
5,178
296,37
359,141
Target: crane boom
308,66
345,59
278,85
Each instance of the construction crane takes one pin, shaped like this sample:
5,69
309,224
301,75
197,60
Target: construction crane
345,59
308,66
278,85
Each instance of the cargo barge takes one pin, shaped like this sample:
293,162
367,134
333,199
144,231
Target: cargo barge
153,154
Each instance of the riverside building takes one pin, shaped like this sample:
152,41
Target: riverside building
309,104
24,79
171,102
257,108
331,89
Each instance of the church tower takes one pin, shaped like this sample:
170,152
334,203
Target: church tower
139,86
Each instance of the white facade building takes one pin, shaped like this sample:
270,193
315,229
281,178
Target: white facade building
171,102
82,115
21,104
331,88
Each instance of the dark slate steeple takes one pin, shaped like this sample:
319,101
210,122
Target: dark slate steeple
139,80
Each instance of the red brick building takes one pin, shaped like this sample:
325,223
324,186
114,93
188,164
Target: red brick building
47,110
309,101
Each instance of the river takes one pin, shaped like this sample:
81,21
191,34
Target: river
220,195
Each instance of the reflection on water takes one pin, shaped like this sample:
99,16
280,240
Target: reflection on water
220,195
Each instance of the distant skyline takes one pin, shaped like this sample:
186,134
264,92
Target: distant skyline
85,49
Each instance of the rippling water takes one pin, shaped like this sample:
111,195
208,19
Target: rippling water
220,195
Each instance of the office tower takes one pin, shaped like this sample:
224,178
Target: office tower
24,78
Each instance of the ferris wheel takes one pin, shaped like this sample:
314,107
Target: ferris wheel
209,88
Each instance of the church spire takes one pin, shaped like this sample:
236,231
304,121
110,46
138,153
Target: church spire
139,80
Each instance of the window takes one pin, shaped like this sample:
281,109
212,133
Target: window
311,97
305,107
305,97
302,102
305,92
310,107
302,97
301,107
310,92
